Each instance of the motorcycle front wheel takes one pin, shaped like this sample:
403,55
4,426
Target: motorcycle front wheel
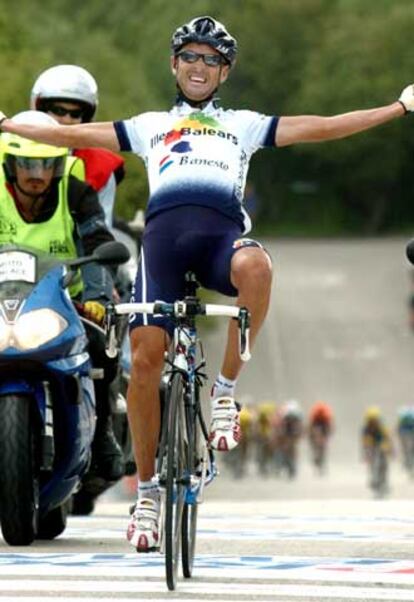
19,483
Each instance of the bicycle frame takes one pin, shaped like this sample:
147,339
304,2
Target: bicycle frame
184,361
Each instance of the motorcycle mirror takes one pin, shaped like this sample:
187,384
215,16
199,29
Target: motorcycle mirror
113,252
108,253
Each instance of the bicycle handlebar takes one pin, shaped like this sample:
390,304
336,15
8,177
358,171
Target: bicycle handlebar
180,309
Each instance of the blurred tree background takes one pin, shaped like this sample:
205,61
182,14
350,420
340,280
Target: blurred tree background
296,56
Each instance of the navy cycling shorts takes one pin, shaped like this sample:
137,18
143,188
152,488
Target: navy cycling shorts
177,240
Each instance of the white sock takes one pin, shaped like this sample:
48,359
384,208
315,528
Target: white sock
148,489
223,387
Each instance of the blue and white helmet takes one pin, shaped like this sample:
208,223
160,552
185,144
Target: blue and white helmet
206,30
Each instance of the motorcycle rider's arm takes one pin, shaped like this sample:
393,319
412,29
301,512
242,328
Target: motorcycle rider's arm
91,230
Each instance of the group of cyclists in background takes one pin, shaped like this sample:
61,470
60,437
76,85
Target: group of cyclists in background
272,434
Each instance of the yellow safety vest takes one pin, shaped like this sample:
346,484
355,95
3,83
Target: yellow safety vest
54,236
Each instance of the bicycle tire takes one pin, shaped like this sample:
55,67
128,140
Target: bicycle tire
188,537
174,484
189,520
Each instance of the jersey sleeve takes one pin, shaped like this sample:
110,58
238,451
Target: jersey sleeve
132,133
258,129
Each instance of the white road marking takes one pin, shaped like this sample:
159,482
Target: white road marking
72,577
208,566
264,528
229,591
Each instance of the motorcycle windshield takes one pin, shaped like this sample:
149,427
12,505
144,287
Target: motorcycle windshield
20,269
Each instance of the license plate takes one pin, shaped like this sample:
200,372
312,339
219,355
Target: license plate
17,265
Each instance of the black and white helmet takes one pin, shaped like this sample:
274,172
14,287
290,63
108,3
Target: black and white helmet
206,30
65,82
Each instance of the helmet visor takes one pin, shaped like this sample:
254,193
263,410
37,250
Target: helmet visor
33,163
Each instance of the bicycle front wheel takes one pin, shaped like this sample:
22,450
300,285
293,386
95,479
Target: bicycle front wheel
189,531
175,479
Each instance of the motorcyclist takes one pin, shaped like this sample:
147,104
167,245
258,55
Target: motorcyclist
69,94
44,207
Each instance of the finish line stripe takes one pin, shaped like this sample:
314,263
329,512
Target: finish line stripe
239,568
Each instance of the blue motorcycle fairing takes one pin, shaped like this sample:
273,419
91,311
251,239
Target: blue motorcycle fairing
80,423
49,293
74,364
64,363
75,438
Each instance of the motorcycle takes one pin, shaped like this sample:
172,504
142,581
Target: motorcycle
47,399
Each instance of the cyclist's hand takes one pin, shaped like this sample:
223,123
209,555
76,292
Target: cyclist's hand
407,98
95,311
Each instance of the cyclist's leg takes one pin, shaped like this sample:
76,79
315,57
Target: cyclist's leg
147,348
148,334
251,275
242,268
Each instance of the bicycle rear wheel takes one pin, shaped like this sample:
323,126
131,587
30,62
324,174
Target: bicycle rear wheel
175,481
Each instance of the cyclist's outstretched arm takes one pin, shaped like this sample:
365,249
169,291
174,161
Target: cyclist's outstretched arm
73,136
313,128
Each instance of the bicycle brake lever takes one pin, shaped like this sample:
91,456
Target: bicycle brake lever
244,334
111,342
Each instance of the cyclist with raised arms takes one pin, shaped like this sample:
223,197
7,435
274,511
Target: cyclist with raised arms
197,156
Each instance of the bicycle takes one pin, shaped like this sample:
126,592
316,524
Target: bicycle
185,461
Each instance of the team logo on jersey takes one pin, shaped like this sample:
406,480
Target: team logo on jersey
196,124
180,147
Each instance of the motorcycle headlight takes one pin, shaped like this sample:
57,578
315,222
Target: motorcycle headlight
36,328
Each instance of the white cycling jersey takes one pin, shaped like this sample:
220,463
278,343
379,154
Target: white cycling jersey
197,157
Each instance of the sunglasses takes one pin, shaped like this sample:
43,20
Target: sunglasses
61,111
30,163
211,60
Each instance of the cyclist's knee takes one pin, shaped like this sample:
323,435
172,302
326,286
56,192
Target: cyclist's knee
147,351
252,267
